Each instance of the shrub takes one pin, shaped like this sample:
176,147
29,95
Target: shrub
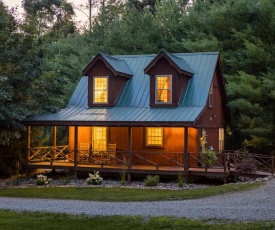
246,166
43,180
94,179
151,180
180,180
208,157
123,176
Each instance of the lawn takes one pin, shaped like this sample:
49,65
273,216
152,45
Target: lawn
10,220
122,194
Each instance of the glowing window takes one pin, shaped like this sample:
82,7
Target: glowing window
163,89
221,139
100,90
99,139
154,136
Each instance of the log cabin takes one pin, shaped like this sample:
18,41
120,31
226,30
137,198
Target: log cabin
147,114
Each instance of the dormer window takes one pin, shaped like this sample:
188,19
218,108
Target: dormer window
168,77
100,90
107,77
163,89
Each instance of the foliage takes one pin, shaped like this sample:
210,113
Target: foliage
246,166
43,180
208,157
151,180
52,18
123,176
180,180
94,179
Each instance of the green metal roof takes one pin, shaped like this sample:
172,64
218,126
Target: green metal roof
133,106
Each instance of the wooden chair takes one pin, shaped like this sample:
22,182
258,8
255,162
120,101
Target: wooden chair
109,155
112,151
84,152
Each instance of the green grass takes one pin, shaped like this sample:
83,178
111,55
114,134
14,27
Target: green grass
41,220
122,194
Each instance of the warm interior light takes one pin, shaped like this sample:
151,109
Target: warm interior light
163,88
154,136
100,90
99,139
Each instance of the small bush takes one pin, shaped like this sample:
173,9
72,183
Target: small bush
123,177
43,180
94,179
151,180
180,180
246,166
208,157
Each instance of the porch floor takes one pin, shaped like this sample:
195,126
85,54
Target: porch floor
145,169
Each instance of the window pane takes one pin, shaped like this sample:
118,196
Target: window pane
163,89
99,139
100,90
154,136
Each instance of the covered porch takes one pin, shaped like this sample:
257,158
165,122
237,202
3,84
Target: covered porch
126,149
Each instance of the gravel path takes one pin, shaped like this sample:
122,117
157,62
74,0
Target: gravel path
258,204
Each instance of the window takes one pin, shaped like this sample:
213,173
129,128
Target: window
221,139
211,96
154,136
99,139
100,90
163,89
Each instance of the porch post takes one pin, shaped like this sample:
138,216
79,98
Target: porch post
28,150
186,164
54,141
75,150
129,147
129,152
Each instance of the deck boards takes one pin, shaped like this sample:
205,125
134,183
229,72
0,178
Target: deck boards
142,169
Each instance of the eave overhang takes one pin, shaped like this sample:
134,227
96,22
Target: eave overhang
117,66
179,64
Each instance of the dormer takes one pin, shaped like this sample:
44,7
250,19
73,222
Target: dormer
168,77
107,77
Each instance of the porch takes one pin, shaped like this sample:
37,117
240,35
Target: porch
146,162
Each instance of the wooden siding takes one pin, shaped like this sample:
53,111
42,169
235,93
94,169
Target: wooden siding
173,142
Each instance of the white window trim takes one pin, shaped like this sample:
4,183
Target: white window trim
156,89
154,145
106,89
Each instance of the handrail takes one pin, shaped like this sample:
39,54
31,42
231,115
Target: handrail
227,160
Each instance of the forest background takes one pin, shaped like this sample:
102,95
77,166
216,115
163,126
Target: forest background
43,53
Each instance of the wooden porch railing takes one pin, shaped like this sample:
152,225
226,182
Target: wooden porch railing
227,160
50,153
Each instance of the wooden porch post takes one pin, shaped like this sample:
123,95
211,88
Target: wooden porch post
54,141
186,164
28,150
129,146
75,150
129,151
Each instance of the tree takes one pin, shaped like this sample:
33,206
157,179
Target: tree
52,18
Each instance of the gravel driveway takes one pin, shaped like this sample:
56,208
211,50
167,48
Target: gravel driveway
258,204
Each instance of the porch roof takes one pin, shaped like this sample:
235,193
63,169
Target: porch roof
120,116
